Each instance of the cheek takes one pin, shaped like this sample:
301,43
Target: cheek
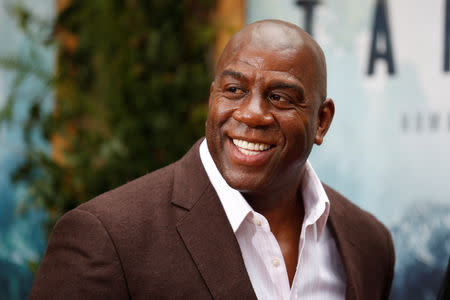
219,113
298,129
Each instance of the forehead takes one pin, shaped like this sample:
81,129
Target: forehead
296,63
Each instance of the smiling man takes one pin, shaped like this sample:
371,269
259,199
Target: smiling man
242,214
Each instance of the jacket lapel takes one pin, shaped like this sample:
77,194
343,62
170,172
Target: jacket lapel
206,232
343,233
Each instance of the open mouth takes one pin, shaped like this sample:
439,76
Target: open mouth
250,148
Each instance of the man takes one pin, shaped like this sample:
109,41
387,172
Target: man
242,214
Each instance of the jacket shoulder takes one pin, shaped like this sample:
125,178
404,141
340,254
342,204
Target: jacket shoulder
355,216
135,201
150,194
372,250
154,185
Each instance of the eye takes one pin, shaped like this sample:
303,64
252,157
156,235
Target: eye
279,98
280,101
275,97
234,92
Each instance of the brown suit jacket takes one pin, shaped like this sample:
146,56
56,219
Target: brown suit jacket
166,236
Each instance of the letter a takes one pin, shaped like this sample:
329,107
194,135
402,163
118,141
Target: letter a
381,30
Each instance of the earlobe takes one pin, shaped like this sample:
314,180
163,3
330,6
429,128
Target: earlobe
324,118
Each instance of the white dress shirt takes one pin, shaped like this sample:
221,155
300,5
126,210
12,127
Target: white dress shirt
320,273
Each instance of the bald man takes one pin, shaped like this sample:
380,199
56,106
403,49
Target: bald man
242,215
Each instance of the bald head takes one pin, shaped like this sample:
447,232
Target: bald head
284,38
269,89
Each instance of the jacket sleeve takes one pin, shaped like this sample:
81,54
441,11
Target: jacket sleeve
81,262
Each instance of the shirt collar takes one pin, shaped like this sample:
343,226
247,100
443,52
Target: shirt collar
234,204
316,202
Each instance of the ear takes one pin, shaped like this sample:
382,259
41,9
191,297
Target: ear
325,116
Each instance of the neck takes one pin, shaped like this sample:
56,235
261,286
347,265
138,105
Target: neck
280,209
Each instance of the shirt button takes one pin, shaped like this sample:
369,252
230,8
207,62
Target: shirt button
257,221
275,262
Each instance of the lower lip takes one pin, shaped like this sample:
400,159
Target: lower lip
249,160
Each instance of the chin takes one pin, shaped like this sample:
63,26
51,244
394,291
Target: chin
244,184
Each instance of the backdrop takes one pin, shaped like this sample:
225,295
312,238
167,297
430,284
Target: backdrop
387,150
389,146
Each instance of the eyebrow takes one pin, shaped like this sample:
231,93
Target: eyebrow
237,75
284,85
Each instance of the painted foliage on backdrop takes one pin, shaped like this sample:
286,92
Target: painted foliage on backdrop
388,148
21,239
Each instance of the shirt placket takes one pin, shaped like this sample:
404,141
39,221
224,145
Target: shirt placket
274,261
305,237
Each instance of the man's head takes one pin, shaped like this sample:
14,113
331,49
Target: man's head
267,106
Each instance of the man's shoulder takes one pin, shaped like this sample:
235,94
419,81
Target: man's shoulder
344,207
366,244
360,226
147,193
149,187
137,199
147,199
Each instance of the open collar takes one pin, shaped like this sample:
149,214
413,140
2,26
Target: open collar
315,200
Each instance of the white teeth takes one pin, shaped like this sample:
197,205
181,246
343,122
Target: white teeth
249,148
248,152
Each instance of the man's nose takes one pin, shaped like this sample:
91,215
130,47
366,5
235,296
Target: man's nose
254,112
